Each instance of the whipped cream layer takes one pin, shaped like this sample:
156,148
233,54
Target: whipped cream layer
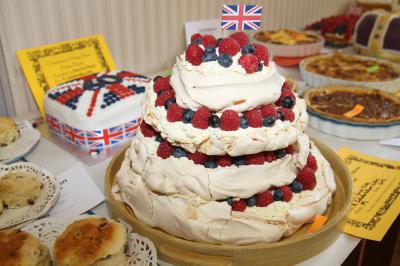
193,218
215,141
218,88
182,176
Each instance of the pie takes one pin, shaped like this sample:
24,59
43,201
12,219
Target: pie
354,104
286,37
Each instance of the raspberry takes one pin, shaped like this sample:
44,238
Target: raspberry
306,177
287,193
195,37
230,120
197,157
208,40
240,37
286,86
239,205
194,54
286,93
257,158
228,46
164,150
174,113
261,53
290,149
200,118
224,160
169,94
147,130
269,110
264,199
312,162
249,62
269,156
162,84
287,113
254,117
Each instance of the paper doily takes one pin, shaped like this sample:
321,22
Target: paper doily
140,251
48,197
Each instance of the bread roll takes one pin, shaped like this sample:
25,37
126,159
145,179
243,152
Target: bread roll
8,131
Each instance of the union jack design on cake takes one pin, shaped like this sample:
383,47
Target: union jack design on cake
241,17
131,128
105,137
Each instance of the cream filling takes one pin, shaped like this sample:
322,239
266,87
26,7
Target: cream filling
215,141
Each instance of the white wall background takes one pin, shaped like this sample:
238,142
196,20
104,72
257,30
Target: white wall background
143,35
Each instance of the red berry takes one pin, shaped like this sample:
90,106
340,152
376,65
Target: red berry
208,40
197,157
200,118
195,37
306,177
312,162
162,84
257,158
261,53
290,149
228,46
269,156
230,120
254,117
287,193
239,205
147,130
286,86
169,94
249,62
240,37
174,113
264,199
164,150
194,54
224,160
287,113
269,110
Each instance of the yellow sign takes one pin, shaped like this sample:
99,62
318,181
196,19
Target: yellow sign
376,201
48,66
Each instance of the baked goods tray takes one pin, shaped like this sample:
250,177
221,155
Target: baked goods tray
288,251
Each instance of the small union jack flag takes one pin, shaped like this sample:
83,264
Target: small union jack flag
105,137
131,128
54,124
241,17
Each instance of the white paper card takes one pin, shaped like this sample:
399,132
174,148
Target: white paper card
204,27
391,142
78,194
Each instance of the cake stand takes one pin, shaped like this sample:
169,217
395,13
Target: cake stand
288,251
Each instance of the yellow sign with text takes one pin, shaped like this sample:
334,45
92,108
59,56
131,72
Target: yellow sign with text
48,66
376,194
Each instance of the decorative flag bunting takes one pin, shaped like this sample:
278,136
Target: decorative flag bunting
241,17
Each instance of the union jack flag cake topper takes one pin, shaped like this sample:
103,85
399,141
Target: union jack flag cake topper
97,111
241,17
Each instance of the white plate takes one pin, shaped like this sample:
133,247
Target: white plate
140,251
48,197
27,140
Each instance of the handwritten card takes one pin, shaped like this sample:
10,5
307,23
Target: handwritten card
78,194
204,27
48,66
376,190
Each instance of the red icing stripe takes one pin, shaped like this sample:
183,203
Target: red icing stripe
69,95
92,103
120,90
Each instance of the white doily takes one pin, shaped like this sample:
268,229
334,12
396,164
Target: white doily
140,251
27,140
47,198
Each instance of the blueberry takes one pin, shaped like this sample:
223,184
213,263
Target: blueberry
260,66
210,164
159,138
179,152
296,187
268,121
214,121
188,116
251,201
244,122
238,161
281,116
169,102
218,41
280,153
225,60
287,102
157,78
248,49
209,57
197,41
209,50
229,201
278,195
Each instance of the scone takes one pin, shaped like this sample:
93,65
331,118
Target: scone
19,248
8,131
91,241
19,189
